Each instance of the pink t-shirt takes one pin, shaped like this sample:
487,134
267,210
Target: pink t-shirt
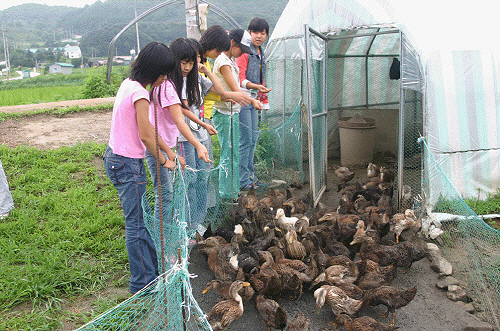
165,96
124,137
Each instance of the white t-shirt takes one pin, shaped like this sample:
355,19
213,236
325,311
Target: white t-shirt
200,133
223,107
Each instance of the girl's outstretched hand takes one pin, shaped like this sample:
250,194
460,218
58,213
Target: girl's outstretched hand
203,153
202,69
210,129
182,161
257,104
169,165
263,89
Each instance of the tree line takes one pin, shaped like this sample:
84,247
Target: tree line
41,26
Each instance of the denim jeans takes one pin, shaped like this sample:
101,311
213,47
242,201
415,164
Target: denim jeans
249,133
229,139
128,176
197,183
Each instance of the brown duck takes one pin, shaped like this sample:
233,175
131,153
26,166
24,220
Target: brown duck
227,311
271,312
299,323
363,323
391,297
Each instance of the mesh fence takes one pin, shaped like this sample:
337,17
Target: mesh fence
470,244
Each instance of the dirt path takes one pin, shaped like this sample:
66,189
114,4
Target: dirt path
49,131
430,310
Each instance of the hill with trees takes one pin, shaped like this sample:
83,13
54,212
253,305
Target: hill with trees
35,26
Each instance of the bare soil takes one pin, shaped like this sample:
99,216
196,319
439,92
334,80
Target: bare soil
430,310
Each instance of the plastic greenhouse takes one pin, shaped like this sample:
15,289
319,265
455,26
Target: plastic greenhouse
439,121
333,58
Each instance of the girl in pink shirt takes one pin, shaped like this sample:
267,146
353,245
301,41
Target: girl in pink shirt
131,134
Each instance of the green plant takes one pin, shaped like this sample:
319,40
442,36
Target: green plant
97,86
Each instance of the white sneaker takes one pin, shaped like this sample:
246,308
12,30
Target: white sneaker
201,229
4,216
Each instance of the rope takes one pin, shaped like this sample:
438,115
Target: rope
158,179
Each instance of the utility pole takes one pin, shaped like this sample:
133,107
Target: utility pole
137,32
6,53
192,19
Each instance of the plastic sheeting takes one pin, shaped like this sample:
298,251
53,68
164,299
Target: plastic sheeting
451,59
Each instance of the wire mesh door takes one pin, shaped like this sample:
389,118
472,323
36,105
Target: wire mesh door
316,55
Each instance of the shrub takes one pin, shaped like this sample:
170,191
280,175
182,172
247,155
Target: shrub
97,86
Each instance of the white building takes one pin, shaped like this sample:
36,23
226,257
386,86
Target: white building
58,67
72,52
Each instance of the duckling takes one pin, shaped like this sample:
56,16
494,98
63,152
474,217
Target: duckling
299,323
360,204
337,299
332,275
227,311
385,203
262,242
372,170
302,225
249,200
274,199
375,275
297,206
363,323
329,217
371,182
284,223
346,206
338,274
386,175
223,259
401,222
406,197
293,247
222,288
273,314
343,174
266,281
205,246
279,258
360,228
402,254
247,262
262,214
391,297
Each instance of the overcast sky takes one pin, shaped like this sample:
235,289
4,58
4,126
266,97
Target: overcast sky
70,3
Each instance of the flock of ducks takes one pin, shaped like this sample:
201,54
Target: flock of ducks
278,246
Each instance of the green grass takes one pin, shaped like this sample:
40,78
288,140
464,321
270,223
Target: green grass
90,83
29,95
63,240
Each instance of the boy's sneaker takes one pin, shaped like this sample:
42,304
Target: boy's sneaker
201,229
247,187
230,201
258,184
4,216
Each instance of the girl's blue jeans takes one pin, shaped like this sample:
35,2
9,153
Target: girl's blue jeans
128,176
197,183
249,133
